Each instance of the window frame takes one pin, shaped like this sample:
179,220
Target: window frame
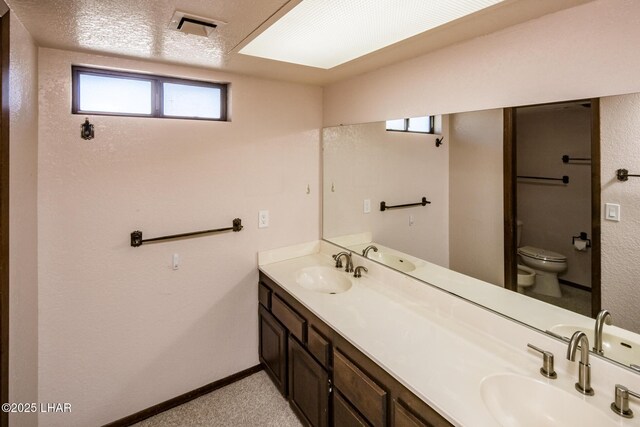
431,131
157,93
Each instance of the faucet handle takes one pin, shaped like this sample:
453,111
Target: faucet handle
621,403
547,362
358,269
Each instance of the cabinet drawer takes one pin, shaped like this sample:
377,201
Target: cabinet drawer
318,346
264,295
360,390
295,323
344,415
403,417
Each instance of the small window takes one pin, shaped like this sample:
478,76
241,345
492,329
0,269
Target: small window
105,92
423,124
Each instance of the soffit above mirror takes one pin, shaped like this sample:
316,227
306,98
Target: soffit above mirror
141,30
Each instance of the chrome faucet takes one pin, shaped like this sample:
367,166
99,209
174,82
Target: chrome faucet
584,369
603,317
366,250
347,255
358,269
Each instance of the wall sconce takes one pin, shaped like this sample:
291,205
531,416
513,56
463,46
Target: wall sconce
86,130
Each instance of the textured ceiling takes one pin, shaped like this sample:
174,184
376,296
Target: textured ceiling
139,28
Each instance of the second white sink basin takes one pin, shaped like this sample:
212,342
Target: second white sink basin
519,401
392,261
617,348
323,279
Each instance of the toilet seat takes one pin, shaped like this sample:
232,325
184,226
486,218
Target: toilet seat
541,254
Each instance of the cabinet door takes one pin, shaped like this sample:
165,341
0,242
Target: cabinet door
308,386
273,349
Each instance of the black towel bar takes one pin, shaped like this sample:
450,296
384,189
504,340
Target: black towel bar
136,236
564,179
567,159
384,207
623,175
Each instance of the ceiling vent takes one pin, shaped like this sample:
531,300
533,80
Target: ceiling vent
193,24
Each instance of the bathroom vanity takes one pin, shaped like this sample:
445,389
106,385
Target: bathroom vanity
388,350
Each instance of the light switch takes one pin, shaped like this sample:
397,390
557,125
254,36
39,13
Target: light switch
367,206
411,220
612,212
175,261
263,219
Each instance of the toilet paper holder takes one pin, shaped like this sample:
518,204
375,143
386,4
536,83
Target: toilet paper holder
583,236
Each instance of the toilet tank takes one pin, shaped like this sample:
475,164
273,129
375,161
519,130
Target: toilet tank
519,232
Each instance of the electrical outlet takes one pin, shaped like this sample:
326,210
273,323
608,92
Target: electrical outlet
367,206
263,219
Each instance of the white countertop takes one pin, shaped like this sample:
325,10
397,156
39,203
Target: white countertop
440,347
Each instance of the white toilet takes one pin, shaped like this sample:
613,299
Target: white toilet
545,264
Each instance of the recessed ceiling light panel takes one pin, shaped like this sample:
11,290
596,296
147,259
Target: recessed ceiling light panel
327,33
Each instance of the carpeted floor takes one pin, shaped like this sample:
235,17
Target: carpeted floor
251,402
574,299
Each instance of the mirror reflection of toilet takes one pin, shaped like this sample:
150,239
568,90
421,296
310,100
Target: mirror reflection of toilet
545,264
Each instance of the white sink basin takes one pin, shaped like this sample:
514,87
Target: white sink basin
324,280
617,348
516,400
392,261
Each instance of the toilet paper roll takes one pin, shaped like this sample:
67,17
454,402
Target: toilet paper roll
580,245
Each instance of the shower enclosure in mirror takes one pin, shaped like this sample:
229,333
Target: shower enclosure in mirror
457,241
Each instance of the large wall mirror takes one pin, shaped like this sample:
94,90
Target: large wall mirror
434,201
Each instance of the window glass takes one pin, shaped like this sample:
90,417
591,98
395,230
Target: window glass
183,100
398,124
115,94
420,124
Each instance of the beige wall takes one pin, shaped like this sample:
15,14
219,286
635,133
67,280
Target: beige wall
119,329
367,162
476,244
23,258
620,140
552,213
577,53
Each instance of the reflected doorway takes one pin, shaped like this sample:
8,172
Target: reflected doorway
552,199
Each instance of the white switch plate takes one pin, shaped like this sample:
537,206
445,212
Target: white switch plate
367,206
263,219
411,220
612,212
175,261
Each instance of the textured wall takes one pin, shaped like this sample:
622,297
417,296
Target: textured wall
620,141
476,245
565,55
119,329
23,258
553,213
367,162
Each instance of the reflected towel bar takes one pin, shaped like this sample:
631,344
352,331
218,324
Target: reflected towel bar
136,236
384,207
564,179
623,175
567,159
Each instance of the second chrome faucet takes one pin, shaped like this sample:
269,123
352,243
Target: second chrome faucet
579,338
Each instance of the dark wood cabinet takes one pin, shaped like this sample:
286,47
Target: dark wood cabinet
273,349
301,353
308,386
345,415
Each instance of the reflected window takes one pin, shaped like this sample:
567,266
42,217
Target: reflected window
423,124
106,92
